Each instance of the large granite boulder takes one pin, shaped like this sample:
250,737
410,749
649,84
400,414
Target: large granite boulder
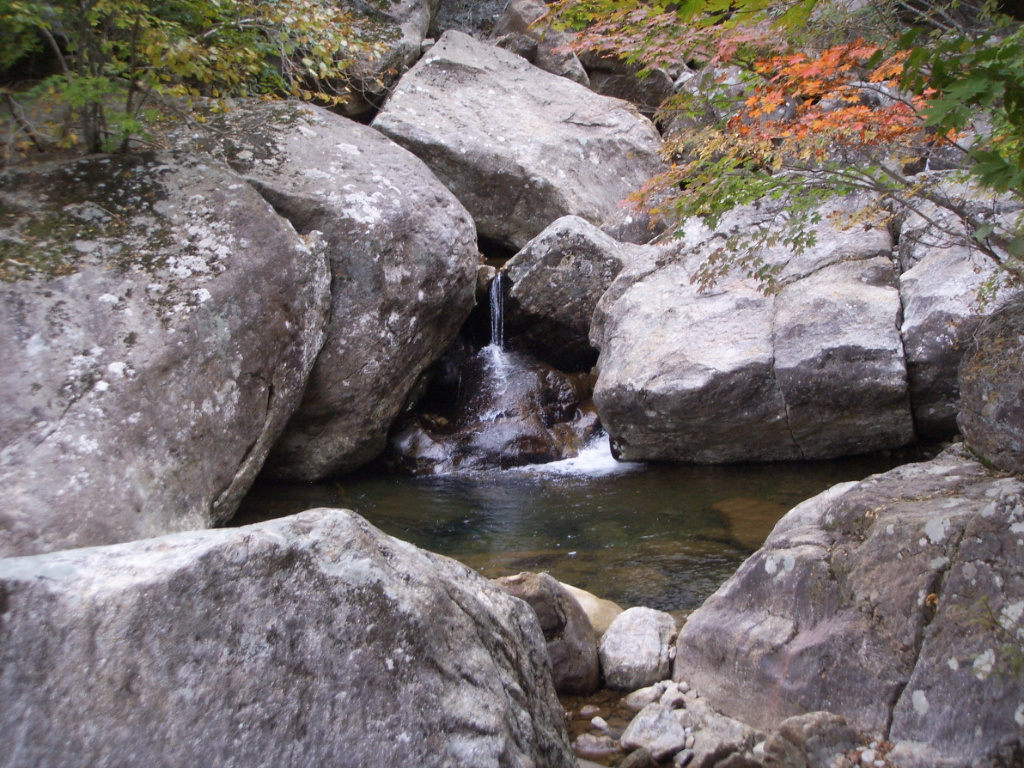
895,602
517,145
158,322
733,374
946,287
554,284
992,390
403,259
521,30
571,640
310,640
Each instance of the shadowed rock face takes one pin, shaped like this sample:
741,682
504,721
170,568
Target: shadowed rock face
940,287
518,146
506,410
399,27
992,390
313,640
158,322
571,641
895,602
403,259
519,30
556,282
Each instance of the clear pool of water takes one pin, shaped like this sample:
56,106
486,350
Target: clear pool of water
665,536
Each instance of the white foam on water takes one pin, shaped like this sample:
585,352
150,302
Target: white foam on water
594,460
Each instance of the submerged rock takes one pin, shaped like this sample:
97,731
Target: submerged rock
571,642
517,145
311,640
158,322
895,603
403,259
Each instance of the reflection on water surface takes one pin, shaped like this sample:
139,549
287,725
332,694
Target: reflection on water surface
665,536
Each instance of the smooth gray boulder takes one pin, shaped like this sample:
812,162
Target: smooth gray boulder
310,640
158,322
549,46
571,641
637,649
554,284
518,146
894,602
403,258
731,374
992,390
946,288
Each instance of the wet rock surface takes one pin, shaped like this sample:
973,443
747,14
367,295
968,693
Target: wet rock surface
403,260
304,634
518,146
158,321
503,410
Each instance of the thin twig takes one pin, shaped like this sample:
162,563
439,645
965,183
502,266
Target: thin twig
19,118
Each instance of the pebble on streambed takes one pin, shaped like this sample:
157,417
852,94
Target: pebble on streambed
670,725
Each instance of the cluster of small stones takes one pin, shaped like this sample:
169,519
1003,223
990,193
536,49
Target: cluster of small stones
674,727
661,729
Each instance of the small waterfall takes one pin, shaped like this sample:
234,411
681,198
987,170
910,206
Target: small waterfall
497,298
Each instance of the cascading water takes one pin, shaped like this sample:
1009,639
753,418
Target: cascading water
496,349
497,299
509,410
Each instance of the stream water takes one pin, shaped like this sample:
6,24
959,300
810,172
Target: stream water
665,536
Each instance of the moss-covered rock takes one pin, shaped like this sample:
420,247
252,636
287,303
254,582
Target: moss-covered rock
158,321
